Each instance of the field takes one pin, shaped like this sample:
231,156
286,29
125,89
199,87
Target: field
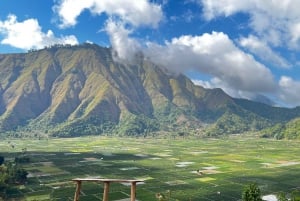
187,169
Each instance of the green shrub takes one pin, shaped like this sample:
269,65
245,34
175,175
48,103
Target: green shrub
251,193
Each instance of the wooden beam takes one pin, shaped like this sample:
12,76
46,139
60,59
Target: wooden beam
110,180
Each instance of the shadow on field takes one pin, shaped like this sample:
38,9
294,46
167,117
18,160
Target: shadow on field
50,174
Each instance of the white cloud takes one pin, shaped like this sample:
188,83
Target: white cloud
203,83
216,55
263,51
136,13
233,92
28,34
295,34
215,82
213,9
274,25
273,21
125,46
69,10
289,90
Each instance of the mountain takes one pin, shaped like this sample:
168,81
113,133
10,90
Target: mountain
81,90
263,99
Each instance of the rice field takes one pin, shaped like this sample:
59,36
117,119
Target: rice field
184,169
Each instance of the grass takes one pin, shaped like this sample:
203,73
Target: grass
227,165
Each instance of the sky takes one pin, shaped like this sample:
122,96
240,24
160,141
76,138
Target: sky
249,48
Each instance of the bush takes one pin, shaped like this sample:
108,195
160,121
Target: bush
251,193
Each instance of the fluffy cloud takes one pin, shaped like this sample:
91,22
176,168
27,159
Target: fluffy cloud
125,46
69,10
263,51
217,83
205,84
28,34
216,55
289,90
136,13
213,9
295,34
274,25
277,23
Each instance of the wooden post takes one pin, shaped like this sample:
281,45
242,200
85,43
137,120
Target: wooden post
77,192
106,190
133,189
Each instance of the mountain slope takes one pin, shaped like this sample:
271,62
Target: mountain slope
276,114
79,90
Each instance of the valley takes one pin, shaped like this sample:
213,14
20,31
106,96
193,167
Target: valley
187,169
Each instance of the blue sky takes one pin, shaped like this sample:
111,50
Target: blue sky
246,47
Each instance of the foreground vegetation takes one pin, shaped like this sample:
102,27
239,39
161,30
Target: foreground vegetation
186,169
11,174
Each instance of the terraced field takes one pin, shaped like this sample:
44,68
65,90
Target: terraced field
186,169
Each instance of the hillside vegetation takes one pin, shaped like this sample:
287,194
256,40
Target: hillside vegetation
290,130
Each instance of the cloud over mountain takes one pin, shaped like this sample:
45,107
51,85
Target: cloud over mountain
289,90
244,47
81,90
214,54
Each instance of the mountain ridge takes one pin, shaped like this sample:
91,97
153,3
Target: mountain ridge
81,90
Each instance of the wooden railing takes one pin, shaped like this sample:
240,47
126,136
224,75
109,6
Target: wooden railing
106,186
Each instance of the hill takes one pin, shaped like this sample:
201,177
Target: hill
81,90
289,130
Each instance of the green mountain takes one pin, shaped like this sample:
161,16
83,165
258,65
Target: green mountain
82,90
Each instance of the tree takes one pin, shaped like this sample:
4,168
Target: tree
282,197
16,174
295,196
1,160
251,193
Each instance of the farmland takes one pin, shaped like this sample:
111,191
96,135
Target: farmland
186,169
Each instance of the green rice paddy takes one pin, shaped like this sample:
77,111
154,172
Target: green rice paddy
188,169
